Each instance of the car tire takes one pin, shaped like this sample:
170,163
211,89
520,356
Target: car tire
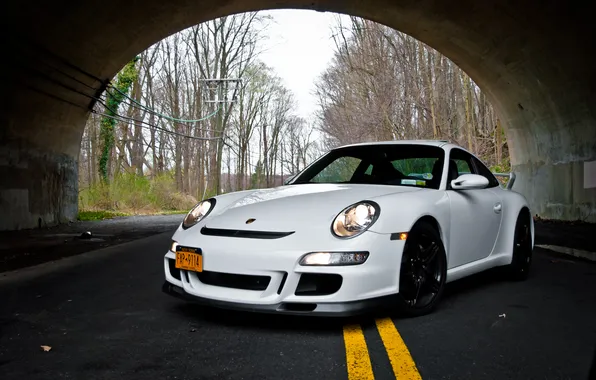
423,271
521,259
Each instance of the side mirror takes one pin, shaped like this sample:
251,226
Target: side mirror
469,181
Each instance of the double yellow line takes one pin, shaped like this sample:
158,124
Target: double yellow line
358,359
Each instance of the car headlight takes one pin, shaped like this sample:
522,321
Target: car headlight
198,213
333,258
355,219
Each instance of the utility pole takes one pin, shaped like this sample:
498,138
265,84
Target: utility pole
221,93
265,154
217,91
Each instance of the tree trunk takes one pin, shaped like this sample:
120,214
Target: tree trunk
468,112
499,143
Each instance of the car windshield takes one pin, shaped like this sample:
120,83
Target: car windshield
391,164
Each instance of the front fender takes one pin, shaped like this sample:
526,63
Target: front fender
222,202
399,212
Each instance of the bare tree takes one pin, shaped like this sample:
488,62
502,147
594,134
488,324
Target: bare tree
384,85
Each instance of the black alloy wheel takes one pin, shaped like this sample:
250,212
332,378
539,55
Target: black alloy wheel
423,271
519,269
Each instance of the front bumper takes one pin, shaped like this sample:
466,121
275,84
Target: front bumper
265,274
341,309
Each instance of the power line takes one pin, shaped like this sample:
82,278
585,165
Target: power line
57,82
25,61
146,108
122,118
118,117
40,48
32,88
68,75
149,125
45,76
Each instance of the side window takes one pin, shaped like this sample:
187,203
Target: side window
482,170
460,162
463,167
340,170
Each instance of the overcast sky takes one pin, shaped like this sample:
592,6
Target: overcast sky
299,48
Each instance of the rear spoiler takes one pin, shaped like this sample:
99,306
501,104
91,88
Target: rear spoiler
511,177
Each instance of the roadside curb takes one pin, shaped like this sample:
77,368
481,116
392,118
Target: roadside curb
569,251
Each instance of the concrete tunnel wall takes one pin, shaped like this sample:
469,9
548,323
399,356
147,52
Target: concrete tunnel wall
533,59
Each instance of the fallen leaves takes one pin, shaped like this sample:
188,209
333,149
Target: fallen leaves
46,348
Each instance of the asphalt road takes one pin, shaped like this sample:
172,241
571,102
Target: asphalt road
24,248
104,317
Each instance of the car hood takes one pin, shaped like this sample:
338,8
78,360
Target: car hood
288,208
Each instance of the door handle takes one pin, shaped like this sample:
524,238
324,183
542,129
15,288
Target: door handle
497,208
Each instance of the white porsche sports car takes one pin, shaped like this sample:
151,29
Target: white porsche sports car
365,225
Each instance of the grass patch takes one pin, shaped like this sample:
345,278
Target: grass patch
131,194
98,215
171,212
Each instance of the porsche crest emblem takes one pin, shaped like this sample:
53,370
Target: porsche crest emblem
249,221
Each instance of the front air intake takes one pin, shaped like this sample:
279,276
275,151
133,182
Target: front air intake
247,234
236,281
318,284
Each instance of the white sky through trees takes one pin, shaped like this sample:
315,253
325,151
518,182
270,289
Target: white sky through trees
298,48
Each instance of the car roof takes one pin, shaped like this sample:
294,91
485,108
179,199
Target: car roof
438,143
444,144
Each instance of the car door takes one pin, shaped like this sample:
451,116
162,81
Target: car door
475,214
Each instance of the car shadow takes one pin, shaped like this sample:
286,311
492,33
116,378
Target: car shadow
254,320
285,322
475,282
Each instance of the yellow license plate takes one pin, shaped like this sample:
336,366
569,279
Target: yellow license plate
189,258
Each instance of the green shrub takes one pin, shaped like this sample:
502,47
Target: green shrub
132,192
135,194
96,197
